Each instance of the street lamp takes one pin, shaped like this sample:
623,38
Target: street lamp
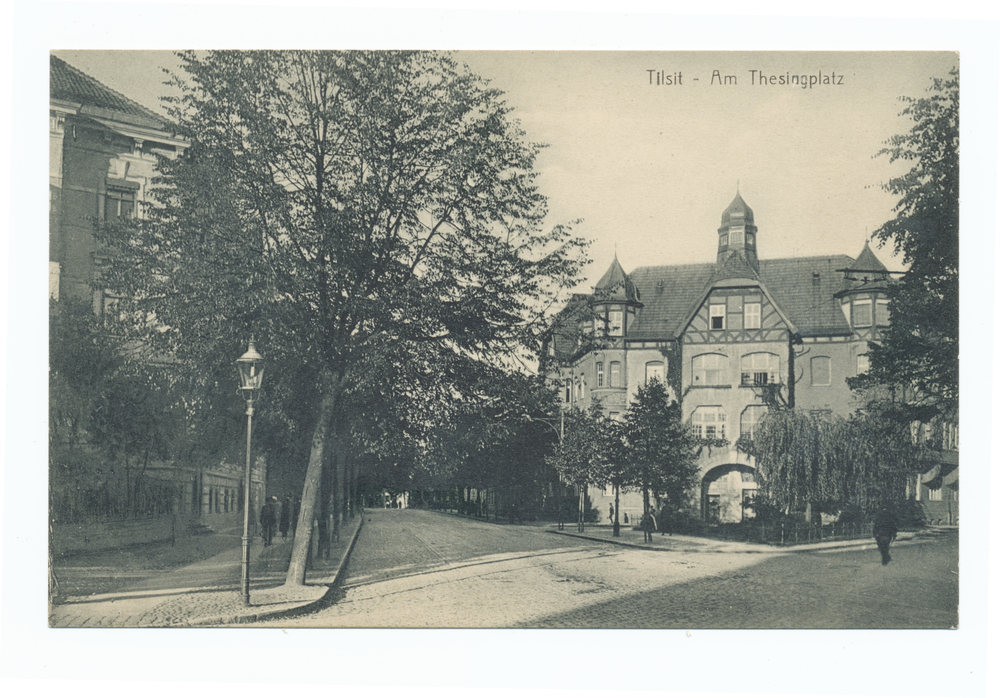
251,374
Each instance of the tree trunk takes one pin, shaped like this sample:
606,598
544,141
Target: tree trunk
310,489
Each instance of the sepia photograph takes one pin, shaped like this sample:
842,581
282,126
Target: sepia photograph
503,339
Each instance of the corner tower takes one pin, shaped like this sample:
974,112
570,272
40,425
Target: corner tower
737,256
615,301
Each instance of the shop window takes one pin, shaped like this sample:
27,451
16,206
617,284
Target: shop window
711,369
820,366
654,371
759,369
751,316
717,317
709,422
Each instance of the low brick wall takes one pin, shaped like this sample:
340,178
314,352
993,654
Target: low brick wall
72,538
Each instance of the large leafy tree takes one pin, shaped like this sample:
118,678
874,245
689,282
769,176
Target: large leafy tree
919,352
581,454
822,462
660,448
334,204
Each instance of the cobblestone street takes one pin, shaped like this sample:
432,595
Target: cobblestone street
415,568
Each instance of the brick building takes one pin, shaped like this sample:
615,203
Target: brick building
728,338
102,159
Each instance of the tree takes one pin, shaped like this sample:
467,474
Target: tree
659,446
822,462
919,352
580,455
334,204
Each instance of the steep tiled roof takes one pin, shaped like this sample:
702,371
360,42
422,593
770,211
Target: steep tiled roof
738,205
867,272
667,293
803,289
615,285
68,83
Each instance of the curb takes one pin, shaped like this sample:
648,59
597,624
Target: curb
861,544
331,585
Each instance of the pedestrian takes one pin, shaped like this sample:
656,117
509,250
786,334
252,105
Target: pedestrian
286,516
611,513
665,520
884,530
269,519
626,518
648,526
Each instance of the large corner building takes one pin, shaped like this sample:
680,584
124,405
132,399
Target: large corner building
729,338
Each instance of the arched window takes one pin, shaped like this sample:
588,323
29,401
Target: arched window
710,369
749,419
654,369
759,369
709,422
821,374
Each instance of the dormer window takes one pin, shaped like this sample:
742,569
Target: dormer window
717,317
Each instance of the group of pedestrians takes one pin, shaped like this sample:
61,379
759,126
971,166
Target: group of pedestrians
278,517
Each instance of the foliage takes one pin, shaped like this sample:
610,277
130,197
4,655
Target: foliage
581,456
829,462
341,206
919,351
659,446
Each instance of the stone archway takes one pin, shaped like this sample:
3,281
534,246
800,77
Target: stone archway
725,490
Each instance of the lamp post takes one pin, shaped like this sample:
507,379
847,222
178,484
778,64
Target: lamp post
251,374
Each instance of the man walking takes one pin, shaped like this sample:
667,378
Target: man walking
269,519
884,530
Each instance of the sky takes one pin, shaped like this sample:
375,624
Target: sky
646,149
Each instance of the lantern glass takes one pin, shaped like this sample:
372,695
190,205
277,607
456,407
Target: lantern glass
251,368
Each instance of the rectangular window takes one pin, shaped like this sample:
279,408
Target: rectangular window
614,415
751,316
717,317
820,370
863,364
600,374
736,236
569,388
615,326
616,374
934,495
710,369
119,203
882,313
654,370
861,314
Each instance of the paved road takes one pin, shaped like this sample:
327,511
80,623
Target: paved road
415,568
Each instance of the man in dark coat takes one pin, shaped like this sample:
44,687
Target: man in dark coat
286,516
269,519
884,530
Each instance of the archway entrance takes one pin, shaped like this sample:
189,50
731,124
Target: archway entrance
726,491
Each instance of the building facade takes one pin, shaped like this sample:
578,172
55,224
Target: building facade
103,150
728,338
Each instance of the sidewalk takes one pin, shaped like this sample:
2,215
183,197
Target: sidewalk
693,544
207,593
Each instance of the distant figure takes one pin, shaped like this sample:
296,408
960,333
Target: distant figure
611,513
286,516
665,526
626,517
269,519
648,526
884,531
